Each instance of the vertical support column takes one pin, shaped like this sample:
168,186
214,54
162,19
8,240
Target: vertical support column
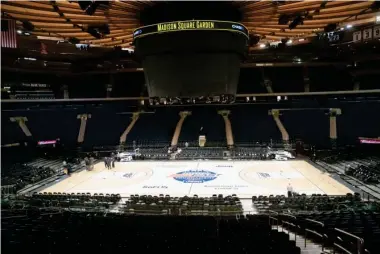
110,86
177,132
123,136
109,90
66,92
21,122
284,134
266,82
356,85
83,123
333,130
306,80
228,127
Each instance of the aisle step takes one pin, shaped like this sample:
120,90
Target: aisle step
311,247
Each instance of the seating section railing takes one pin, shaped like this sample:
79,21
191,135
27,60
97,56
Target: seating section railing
348,232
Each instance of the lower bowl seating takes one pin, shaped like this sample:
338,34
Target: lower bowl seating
228,205
113,233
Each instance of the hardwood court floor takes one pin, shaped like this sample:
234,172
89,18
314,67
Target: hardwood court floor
204,178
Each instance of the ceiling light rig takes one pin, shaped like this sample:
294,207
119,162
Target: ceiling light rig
254,39
297,21
90,7
330,28
284,19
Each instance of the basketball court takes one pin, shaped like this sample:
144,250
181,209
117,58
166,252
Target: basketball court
204,178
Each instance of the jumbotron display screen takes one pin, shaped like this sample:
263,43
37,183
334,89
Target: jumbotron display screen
192,25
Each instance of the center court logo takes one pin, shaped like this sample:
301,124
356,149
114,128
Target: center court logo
195,176
128,175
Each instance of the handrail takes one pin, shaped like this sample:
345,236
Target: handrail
289,215
316,222
289,223
8,186
12,217
323,236
342,248
360,241
293,225
270,211
58,212
273,218
349,234
314,232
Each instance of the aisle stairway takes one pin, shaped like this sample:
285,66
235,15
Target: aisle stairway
310,248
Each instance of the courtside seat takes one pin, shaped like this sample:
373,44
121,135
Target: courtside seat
67,200
303,202
185,204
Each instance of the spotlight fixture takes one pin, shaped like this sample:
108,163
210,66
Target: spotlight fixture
253,40
278,2
285,40
98,31
90,6
28,26
330,28
297,21
375,5
103,29
283,19
74,40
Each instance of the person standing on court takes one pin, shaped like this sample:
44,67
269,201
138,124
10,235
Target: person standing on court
105,162
290,190
113,162
108,162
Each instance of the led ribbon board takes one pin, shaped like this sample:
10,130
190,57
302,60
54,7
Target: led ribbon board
191,25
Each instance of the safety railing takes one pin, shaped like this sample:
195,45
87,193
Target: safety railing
359,243
288,223
23,213
7,190
236,213
272,218
321,235
368,196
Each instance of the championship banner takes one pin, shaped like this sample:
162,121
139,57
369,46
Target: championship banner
8,33
191,25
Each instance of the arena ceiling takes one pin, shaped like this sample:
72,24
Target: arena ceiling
64,20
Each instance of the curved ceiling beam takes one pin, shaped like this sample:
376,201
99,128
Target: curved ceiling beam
65,18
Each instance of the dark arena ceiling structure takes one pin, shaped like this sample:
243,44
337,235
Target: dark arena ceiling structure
112,23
